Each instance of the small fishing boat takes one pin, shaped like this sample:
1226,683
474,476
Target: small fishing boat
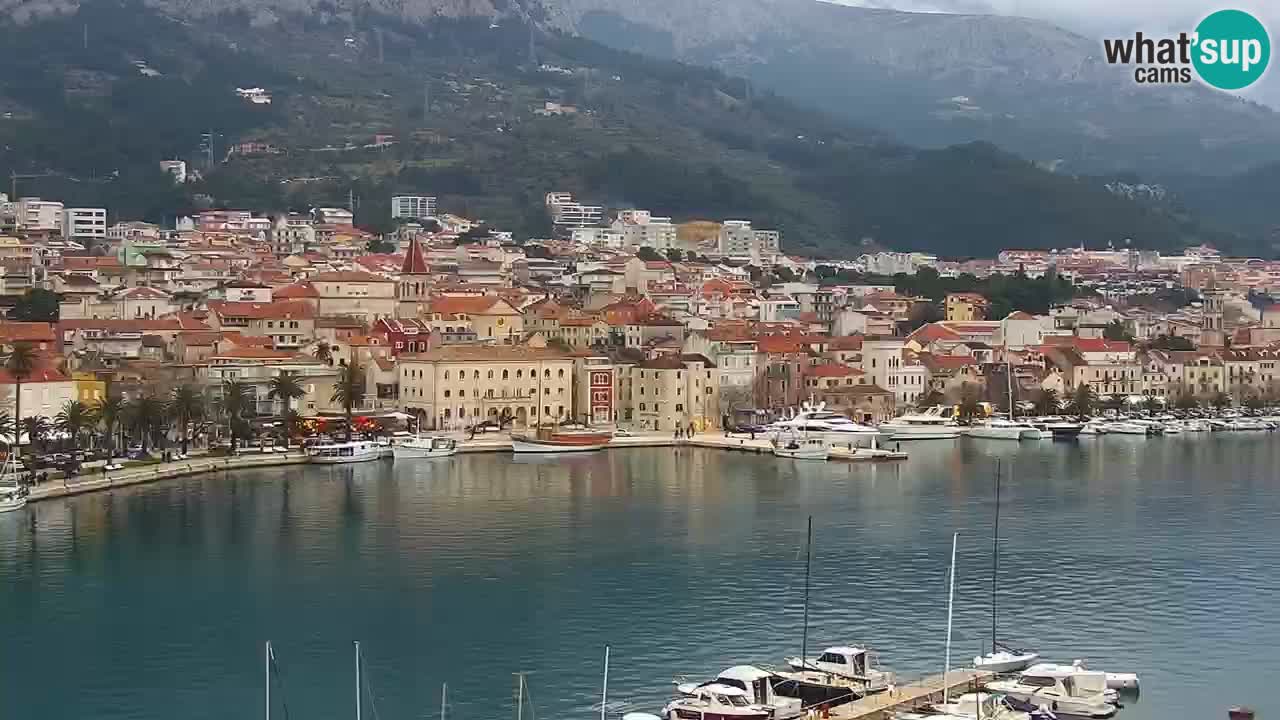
347,452
800,447
1003,429
1093,428
715,701
424,446
561,440
1055,688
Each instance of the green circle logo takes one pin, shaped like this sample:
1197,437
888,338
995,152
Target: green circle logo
1231,49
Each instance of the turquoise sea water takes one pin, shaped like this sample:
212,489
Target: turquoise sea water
1157,556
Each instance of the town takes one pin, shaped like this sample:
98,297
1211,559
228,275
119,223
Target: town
233,325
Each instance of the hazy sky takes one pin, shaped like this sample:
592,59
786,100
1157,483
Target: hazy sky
1099,18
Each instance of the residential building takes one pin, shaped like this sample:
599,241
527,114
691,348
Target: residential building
965,306
412,207
886,365
456,386
340,217
177,169
675,392
354,292
34,214
738,239
566,214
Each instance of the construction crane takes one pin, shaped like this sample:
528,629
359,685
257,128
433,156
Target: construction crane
13,182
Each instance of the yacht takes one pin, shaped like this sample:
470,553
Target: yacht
1005,661
936,423
715,701
1004,429
1055,688
347,452
1123,427
1093,428
973,706
1195,426
761,687
13,494
816,421
852,667
424,446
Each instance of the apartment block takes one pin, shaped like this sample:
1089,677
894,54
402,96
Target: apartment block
412,206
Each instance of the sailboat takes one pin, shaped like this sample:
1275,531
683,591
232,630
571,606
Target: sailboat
13,494
1001,659
1006,429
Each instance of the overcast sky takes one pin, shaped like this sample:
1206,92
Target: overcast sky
1105,18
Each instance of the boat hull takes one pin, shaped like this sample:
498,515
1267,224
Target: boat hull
13,504
407,453
689,714
548,446
988,432
1005,662
347,459
802,453
913,432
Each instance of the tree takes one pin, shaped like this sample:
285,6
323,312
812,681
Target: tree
186,405
324,352
380,246
648,254
37,430
921,314
1115,331
1083,399
37,305
146,418
1186,401
969,409
1172,342
1152,404
73,419
931,398
1220,400
234,403
349,391
292,425
1047,402
1255,402
475,234
110,412
675,255
286,387
20,363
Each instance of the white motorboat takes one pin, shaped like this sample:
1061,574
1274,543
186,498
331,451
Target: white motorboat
758,684
846,666
1055,688
1120,427
936,423
798,447
1195,426
816,421
424,446
1006,661
1003,429
1093,428
13,494
979,705
715,701
348,452
1112,681
1172,428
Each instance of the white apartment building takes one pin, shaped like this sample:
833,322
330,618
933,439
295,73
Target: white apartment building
639,228
333,216
598,236
892,263
739,239
413,206
882,361
567,214
176,168
84,224
35,214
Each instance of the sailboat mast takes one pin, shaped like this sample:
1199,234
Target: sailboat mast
266,675
444,693
1008,374
357,643
808,563
520,696
604,691
995,560
951,599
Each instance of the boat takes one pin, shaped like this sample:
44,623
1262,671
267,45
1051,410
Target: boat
816,421
936,423
13,493
1055,688
1063,430
424,446
1195,426
1093,428
1003,429
561,440
981,705
1112,681
1001,659
347,452
799,447
1121,427
761,686
715,701
849,667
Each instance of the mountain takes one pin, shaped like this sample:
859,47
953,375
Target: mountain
489,113
937,79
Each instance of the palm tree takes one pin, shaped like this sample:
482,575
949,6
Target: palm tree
73,419
20,363
1083,400
292,425
235,399
1047,402
324,352
186,405
285,386
1186,401
111,413
37,429
349,390
147,418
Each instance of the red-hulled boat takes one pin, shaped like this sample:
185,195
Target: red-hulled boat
560,440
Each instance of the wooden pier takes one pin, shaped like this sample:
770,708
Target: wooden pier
912,695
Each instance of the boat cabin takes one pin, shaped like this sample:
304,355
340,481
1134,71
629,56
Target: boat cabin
715,701
848,661
759,686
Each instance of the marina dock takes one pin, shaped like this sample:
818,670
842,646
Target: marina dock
912,695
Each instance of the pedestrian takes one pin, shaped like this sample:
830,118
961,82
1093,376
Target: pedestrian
753,434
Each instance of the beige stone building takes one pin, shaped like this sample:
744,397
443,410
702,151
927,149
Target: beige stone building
488,316
456,386
354,292
675,392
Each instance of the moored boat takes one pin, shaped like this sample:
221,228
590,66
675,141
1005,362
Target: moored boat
13,494
936,423
424,446
843,666
761,687
559,440
798,447
1055,688
1003,429
715,701
347,452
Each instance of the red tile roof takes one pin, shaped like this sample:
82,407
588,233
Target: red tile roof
348,276
288,309
34,332
832,370
414,262
467,305
296,291
845,342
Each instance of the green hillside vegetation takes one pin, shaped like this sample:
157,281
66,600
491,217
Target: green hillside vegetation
679,140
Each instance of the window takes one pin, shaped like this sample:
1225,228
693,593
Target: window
446,374
546,374
488,393
679,407
462,393
490,374
560,373
832,658
642,407
446,393
476,376
505,374
519,374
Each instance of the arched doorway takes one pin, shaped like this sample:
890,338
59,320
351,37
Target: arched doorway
522,416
